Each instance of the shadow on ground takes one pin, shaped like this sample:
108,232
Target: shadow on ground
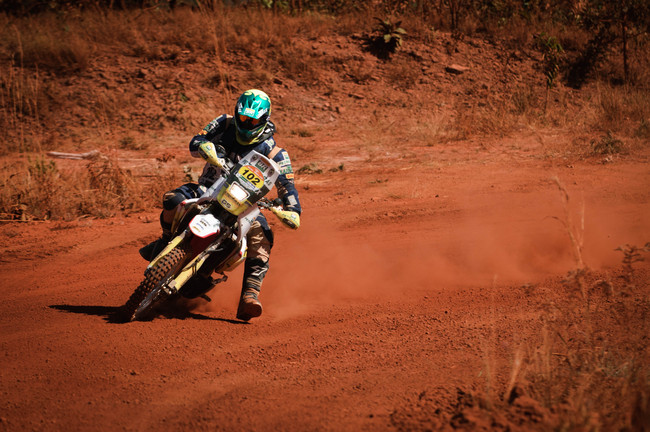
113,315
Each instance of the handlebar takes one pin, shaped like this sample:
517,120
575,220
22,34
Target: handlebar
266,203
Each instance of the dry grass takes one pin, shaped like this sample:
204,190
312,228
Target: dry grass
620,108
589,380
20,96
588,368
46,44
43,56
576,367
37,189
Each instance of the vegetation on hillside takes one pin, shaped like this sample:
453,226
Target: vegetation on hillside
109,72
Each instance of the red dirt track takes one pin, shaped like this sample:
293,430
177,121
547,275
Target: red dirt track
408,291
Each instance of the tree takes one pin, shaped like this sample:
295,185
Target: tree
609,22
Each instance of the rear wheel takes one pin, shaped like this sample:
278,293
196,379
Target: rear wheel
150,291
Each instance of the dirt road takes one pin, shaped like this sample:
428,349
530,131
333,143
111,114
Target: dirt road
401,304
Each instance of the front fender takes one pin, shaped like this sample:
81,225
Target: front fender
205,225
206,228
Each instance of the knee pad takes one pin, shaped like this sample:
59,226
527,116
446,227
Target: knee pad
171,199
174,197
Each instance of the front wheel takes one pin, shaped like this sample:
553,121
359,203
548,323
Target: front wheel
150,292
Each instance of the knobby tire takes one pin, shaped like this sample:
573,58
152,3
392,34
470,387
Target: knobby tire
153,279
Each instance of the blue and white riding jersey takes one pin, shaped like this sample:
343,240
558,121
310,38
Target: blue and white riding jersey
221,131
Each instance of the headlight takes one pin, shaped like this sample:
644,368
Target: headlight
237,193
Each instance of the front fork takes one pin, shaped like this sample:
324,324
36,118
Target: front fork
190,268
171,245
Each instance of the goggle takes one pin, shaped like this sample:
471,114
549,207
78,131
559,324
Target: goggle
249,123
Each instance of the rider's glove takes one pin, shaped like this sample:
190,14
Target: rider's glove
209,153
289,218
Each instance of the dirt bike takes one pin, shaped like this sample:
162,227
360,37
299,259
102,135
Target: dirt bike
209,236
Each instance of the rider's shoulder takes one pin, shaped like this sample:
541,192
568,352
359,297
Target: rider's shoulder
216,126
276,152
265,147
224,120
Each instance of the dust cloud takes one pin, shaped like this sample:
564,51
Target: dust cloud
322,264
326,266
508,243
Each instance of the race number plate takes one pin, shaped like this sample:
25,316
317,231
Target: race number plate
252,175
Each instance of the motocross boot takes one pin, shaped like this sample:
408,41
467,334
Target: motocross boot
151,250
249,306
254,271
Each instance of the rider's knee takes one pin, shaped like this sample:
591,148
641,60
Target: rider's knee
172,199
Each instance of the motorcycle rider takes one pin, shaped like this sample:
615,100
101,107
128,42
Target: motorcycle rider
249,129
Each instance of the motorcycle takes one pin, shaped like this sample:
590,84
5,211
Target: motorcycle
209,236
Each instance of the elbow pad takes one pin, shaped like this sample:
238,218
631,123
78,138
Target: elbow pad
209,153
